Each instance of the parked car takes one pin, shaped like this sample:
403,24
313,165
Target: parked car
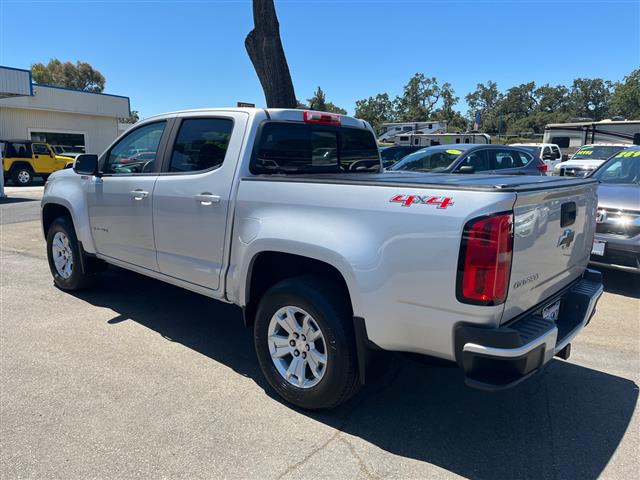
328,261
617,241
472,158
587,159
391,155
25,159
66,150
549,153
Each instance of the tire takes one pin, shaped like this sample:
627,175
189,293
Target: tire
320,385
22,175
63,243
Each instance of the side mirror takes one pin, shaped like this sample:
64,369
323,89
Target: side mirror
86,164
467,169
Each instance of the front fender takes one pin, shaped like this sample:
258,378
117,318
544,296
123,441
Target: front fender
64,188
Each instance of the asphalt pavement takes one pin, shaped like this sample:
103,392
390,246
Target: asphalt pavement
136,378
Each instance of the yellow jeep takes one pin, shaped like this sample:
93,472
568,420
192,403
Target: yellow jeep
25,159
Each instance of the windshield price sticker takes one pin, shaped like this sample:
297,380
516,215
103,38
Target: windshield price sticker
584,152
408,200
628,154
454,152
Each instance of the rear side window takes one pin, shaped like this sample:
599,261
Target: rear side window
301,148
503,159
201,144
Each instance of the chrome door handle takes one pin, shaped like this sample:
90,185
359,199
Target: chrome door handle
207,198
139,194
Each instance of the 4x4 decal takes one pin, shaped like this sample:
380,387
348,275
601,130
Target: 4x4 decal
408,200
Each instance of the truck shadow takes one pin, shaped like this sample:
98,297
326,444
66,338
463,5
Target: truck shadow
620,283
564,423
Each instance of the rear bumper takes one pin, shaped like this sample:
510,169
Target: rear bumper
498,358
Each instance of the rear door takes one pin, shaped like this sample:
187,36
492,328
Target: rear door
553,235
192,196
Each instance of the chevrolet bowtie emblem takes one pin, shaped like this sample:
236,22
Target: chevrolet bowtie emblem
566,238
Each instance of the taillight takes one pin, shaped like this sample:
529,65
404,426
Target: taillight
484,266
322,118
542,168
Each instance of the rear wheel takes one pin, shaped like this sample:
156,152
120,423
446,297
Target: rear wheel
305,344
22,175
63,253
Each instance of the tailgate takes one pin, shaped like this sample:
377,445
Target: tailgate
553,236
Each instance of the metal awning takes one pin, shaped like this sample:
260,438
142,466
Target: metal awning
15,82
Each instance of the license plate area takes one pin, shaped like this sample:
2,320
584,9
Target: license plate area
551,312
598,248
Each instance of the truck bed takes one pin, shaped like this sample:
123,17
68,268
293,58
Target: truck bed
504,183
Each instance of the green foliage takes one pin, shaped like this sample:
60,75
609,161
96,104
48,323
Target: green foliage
625,100
319,102
376,110
418,100
132,118
80,76
590,97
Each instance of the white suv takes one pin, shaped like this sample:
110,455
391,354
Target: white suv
549,153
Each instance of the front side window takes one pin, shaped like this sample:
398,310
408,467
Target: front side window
135,152
201,144
301,148
40,149
556,152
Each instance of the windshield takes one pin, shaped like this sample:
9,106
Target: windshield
428,160
623,168
597,152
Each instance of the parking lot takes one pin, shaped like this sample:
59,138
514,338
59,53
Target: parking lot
137,378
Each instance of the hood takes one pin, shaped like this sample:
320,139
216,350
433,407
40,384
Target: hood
582,163
619,196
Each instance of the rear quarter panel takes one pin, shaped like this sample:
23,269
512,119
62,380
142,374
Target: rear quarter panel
400,263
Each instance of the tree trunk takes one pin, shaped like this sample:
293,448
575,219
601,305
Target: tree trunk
264,47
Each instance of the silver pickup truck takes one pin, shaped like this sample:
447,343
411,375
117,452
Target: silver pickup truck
288,214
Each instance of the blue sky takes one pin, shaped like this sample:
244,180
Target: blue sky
169,55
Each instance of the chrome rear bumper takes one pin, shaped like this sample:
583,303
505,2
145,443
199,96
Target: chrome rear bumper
502,357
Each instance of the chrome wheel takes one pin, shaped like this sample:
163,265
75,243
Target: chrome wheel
62,255
24,177
297,347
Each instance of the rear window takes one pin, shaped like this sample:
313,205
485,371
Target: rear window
302,148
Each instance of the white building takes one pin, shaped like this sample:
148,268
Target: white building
56,115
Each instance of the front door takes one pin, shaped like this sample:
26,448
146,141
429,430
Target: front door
192,195
43,159
121,200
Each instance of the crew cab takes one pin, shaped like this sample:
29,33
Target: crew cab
25,159
289,214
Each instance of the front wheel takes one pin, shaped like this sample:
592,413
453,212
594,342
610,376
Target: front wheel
305,344
63,254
